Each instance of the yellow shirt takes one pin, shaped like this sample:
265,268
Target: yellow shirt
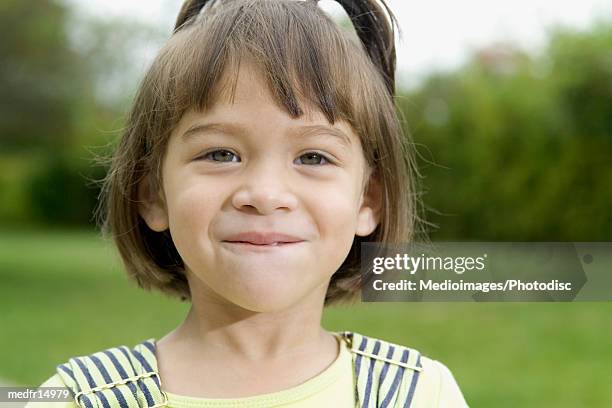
333,387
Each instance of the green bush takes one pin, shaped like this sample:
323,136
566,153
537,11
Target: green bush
64,191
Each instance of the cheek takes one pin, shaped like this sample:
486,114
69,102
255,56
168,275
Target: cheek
334,210
334,213
191,206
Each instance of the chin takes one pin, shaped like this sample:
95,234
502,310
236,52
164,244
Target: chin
267,299
264,305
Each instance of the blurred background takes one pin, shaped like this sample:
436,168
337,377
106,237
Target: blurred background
510,108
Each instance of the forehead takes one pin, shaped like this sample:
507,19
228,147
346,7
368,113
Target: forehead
245,100
247,87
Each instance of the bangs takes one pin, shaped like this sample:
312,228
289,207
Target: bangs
298,51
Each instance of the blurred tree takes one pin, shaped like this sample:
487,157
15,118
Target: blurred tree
65,82
40,77
63,192
521,146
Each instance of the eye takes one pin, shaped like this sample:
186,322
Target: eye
220,155
314,158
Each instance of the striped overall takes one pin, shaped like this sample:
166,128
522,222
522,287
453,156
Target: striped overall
386,375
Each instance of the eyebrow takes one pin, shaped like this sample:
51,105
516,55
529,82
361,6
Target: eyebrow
305,130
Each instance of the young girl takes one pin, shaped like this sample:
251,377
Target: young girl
262,149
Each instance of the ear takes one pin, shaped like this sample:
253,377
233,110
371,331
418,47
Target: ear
371,205
151,206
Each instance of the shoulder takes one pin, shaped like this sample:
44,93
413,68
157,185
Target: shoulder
438,384
371,348
115,375
54,381
114,363
401,374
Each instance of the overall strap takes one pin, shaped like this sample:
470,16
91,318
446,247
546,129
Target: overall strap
386,374
117,377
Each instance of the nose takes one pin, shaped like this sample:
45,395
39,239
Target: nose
266,188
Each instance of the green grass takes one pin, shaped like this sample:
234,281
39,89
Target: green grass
63,294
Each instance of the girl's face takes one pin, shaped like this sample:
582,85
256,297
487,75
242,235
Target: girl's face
246,171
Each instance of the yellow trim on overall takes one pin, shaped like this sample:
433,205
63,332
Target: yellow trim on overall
125,381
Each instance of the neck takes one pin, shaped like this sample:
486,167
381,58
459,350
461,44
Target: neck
216,327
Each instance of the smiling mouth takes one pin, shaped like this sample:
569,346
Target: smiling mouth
280,243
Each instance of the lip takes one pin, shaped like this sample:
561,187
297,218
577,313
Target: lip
247,247
260,238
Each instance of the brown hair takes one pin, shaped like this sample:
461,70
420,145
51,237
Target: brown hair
303,55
